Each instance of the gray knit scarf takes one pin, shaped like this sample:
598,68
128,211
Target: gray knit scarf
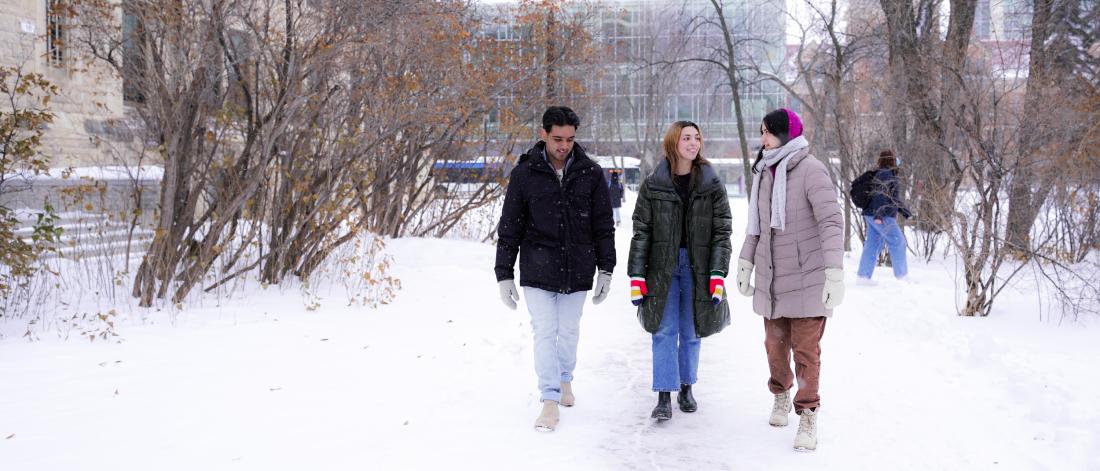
782,157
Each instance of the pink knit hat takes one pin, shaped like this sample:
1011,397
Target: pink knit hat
795,127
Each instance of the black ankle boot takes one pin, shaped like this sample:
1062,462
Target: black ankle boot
663,411
686,400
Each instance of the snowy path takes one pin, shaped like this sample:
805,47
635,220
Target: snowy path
442,379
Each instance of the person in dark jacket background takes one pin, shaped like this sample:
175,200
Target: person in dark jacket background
618,195
679,257
882,223
557,219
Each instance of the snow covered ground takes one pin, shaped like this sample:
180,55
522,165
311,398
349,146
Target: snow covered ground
442,378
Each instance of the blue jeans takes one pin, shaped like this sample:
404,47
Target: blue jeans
887,233
556,322
675,345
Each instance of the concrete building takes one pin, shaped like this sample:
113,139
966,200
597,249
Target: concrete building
91,133
89,126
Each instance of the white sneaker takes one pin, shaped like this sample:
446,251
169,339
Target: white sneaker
806,440
861,281
780,409
548,419
567,397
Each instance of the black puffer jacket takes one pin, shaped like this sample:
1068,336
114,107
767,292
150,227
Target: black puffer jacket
561,231
655,247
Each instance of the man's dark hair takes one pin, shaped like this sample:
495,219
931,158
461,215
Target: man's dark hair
560,116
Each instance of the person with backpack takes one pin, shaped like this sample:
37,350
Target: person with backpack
679,257
795,242
882,204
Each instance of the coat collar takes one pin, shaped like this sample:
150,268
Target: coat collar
661,179
536,160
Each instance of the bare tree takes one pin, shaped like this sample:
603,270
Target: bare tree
292,126
652,47
824,82
1058,38
722,36
927,70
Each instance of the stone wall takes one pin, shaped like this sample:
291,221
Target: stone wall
91,126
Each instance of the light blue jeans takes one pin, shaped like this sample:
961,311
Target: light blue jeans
556,322
888,233
675,346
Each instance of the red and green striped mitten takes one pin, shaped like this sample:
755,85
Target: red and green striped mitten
717,287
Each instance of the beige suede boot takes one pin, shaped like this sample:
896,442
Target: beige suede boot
806,440
780,409
548,419
567,398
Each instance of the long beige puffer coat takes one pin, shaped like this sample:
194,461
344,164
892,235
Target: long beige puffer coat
790,264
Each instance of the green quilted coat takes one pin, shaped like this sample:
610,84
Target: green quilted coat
656,244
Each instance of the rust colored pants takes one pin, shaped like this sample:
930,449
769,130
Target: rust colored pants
803,337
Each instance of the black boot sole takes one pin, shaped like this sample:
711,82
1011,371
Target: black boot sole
661,416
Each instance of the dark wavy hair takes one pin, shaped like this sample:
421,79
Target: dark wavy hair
560,116
778,124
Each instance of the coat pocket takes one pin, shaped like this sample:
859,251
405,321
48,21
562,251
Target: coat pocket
580,218
785,257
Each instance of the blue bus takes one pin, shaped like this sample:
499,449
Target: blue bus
461,177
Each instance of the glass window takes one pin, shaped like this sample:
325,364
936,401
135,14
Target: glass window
55,32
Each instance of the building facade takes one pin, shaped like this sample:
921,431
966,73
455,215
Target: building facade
653,71
89,124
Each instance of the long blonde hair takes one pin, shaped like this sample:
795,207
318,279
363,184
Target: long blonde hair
672,140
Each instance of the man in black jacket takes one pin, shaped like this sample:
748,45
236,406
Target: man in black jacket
557,218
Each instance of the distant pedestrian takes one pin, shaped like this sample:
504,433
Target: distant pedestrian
618,195
880,215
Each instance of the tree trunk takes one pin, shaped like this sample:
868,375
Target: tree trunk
1030,184
735,92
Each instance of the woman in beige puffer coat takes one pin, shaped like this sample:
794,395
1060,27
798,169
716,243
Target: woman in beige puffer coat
794,241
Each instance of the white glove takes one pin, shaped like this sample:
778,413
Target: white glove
833,293
603,286
508,293
744,275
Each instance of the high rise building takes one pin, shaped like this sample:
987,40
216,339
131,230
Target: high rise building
658,66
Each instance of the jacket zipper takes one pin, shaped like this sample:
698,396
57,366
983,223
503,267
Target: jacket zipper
565,224
566,243
771,252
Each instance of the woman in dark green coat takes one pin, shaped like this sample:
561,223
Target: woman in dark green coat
679,256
